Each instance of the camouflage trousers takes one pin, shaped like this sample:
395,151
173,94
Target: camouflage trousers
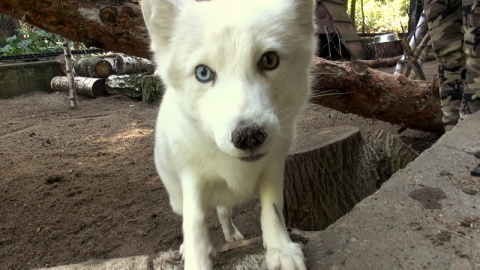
454,27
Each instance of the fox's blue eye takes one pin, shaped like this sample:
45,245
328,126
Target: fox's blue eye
204,74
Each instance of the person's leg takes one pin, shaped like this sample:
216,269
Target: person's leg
445,26
471,24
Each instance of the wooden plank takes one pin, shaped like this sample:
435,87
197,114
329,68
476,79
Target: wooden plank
337,12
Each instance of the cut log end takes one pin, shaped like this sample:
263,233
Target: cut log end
93,67
91,87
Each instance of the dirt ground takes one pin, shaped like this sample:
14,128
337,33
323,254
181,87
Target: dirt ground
80,184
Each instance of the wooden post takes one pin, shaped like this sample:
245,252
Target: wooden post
412,59
68,66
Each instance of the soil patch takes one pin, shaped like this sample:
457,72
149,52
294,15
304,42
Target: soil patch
80,184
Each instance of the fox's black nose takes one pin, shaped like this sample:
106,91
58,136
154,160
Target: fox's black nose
248,136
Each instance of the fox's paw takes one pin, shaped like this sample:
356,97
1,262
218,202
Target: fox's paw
181,251
288,257
234,236
197,261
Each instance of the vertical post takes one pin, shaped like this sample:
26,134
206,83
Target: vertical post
415,39
328,42
71,81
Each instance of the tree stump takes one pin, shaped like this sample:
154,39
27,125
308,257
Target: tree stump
388,49
330,170
322,180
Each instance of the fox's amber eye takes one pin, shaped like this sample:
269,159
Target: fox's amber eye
269,61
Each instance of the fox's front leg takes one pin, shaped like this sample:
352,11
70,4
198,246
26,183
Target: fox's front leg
196,243
282,253
230,232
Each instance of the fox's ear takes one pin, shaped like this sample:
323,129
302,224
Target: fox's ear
159,16
303,11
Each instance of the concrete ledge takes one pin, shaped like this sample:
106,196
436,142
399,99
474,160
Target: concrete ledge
26,77
427,216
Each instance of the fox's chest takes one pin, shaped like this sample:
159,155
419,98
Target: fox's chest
229,182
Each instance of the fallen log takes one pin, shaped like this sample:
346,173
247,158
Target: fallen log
149,88
116,25
125,64
152,89
381,62
129,85
377,95
91,87
95,67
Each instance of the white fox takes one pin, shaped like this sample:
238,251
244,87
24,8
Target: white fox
237,76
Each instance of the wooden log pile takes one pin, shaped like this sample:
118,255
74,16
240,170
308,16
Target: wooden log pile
112,74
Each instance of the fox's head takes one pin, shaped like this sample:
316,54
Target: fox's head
239,69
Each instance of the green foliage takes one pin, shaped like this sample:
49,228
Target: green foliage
29,40
381,15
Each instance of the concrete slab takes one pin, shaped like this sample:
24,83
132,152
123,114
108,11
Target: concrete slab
427,216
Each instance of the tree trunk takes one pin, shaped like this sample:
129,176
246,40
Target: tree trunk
353,4
91,87
95,67
378,95
363,16
116,25
8,28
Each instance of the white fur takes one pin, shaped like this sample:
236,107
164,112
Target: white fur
194,154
